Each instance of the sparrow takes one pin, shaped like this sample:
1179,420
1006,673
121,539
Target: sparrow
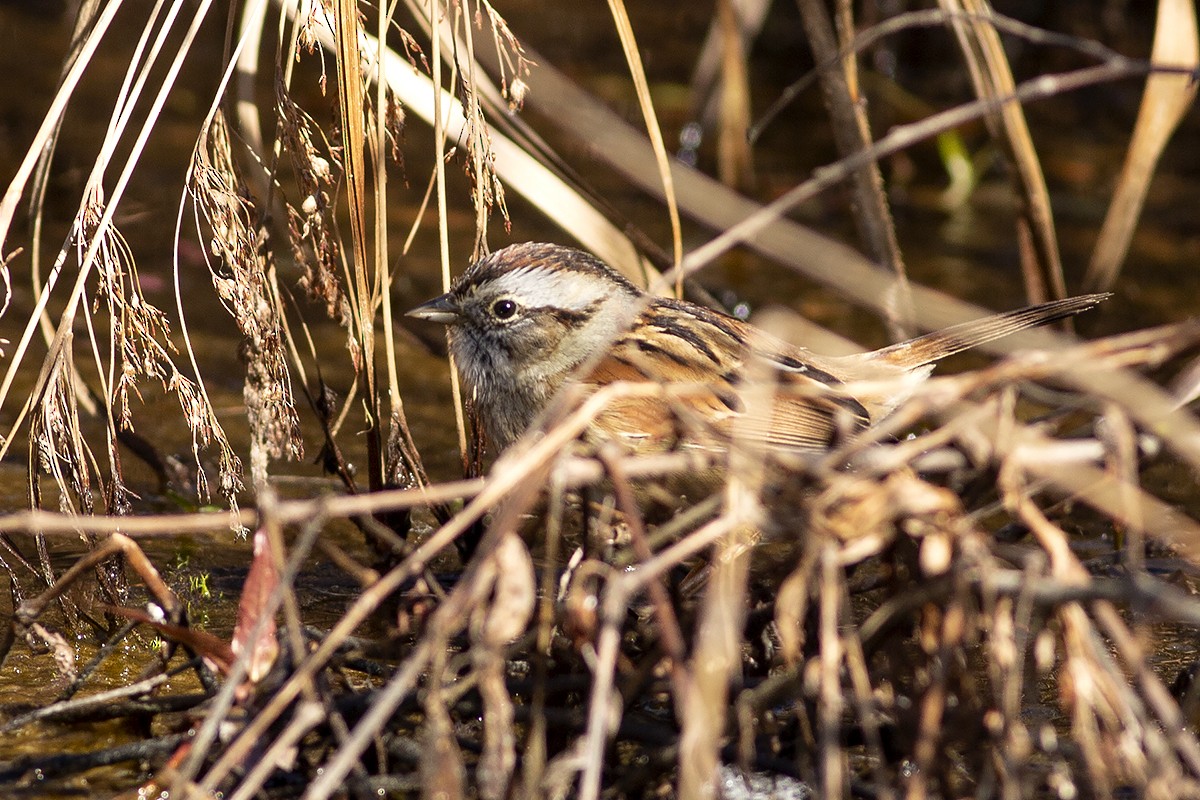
531,318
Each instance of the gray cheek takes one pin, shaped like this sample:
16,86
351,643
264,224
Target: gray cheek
490,358
483,357
534,341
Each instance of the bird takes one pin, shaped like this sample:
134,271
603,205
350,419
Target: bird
531,318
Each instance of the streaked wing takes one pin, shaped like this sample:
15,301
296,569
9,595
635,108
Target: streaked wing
703,352
696,413
810,408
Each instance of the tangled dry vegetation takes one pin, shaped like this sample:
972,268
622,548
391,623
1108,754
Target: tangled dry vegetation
909,614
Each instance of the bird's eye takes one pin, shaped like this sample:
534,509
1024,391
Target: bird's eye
504,309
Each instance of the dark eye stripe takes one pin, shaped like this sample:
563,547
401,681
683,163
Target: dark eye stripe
568,317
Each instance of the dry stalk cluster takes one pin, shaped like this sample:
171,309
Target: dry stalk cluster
904,615
840,624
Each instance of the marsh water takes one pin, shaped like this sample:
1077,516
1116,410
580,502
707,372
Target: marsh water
969,251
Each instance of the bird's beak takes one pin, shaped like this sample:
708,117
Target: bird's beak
442,309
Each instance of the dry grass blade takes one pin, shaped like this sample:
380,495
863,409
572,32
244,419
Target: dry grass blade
1167,98
15,189
662,160
852,134
440,120
516,167
721,86
704,706
992,76
364,273
52,119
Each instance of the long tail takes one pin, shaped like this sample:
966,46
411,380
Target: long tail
948,341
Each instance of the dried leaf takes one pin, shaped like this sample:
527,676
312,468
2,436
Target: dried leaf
261,581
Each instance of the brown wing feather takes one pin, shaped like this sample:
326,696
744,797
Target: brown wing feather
687,347
661,422
808,425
